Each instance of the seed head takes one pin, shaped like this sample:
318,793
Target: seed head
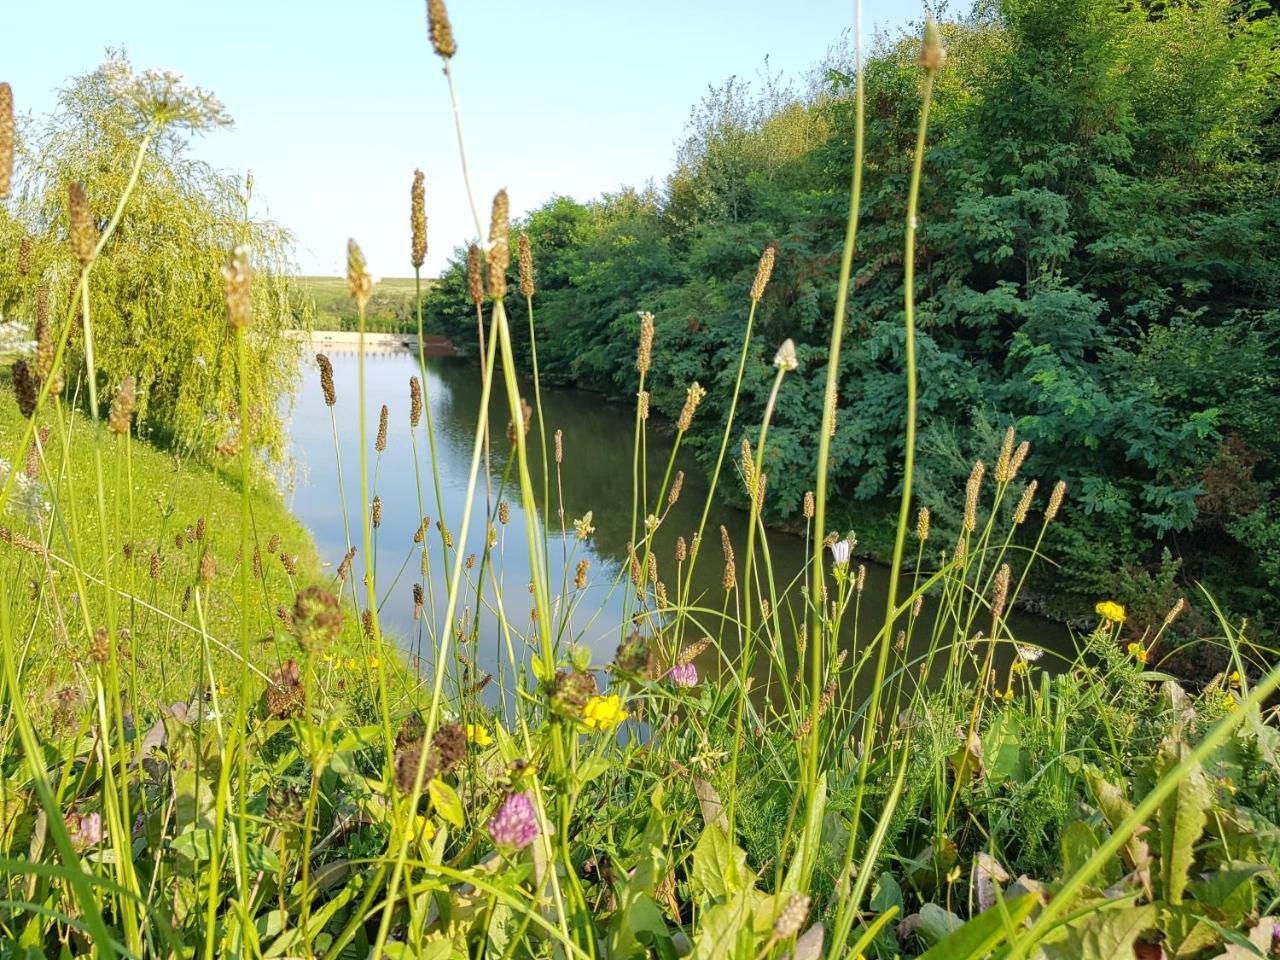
999,596
237,277
24,255
499,245
100,649
46,352
792,917
380,443
580,575
84,234
121,413
326,381
418,599
682,550
6,138
273,543
807,507
726,544
25,387
1174,612
208,568
861,582
418,221
1005,458
644,355
475,287
730,578
1055,501
526,419
154,568
763,272
440,30
344,568
922,524
676,486
415,402
376,512
559,447
692,398
1019,457
1024,503
932,54
526,266
359,282
504,512
972,491
643,404
257,562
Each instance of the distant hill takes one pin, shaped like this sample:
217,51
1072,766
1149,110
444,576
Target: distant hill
391,307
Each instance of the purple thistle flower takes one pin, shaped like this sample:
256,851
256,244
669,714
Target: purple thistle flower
515,825
683,675
86,831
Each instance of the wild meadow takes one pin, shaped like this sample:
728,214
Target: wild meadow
211,747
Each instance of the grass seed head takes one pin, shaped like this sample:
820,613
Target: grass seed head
643,404
415,402
1005,458
121,413
499,245
84,233
999,595
26,388
1024,503
24,255
237,279
6,138
418,221
580,574
676,486
380,443
376,512
644,354
764,270
693,396
326,382
973,490
932,53
526,266
475,286
440,29
559,447
785,358
1055,501
359,281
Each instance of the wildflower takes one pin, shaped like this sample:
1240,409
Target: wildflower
426,829
840,552
499,248
571,691
162,96
372,662
478,735
693,396
582,527
683,675
1029,654
1110,611
283,696
1138,652
417,221
1235,678
86,831
1007,696
603,713
785,358
515,825
764,270
237,279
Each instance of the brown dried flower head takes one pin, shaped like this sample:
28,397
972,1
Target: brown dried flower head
559,438
84,233
475,287
376,512
380,443
808,506
415,403
526,266
418,220
499,245
677,485
24,253
25,387
692,398
932,54
326,381
644,354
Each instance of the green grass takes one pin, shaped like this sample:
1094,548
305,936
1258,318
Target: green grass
390,307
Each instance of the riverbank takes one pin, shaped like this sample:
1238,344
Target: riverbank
177,574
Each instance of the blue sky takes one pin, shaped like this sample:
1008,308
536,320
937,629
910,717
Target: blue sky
336,102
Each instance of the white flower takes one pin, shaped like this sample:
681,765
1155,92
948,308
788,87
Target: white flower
841,550
1030,654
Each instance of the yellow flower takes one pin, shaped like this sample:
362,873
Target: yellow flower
1235,678
1232,702
478,735
351,663
1110,611
372,663
1007,696
1226,784
954,875
1138,652
426,829
603,713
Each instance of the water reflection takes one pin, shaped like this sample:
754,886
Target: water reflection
596,476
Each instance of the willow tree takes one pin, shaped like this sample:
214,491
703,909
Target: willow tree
156,297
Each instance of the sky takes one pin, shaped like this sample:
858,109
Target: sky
336,102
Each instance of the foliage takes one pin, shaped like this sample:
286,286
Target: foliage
1096,262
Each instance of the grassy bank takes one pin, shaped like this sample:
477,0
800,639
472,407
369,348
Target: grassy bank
390,310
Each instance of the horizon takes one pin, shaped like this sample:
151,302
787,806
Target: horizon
577,126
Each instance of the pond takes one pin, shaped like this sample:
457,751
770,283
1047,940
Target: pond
595,476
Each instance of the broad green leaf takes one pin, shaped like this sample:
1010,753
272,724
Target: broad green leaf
719,867
983,933
887,894
1186,931
1230,893
1181,819
1105,934
1115,808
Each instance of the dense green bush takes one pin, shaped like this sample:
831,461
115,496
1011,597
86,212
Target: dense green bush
1098,262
